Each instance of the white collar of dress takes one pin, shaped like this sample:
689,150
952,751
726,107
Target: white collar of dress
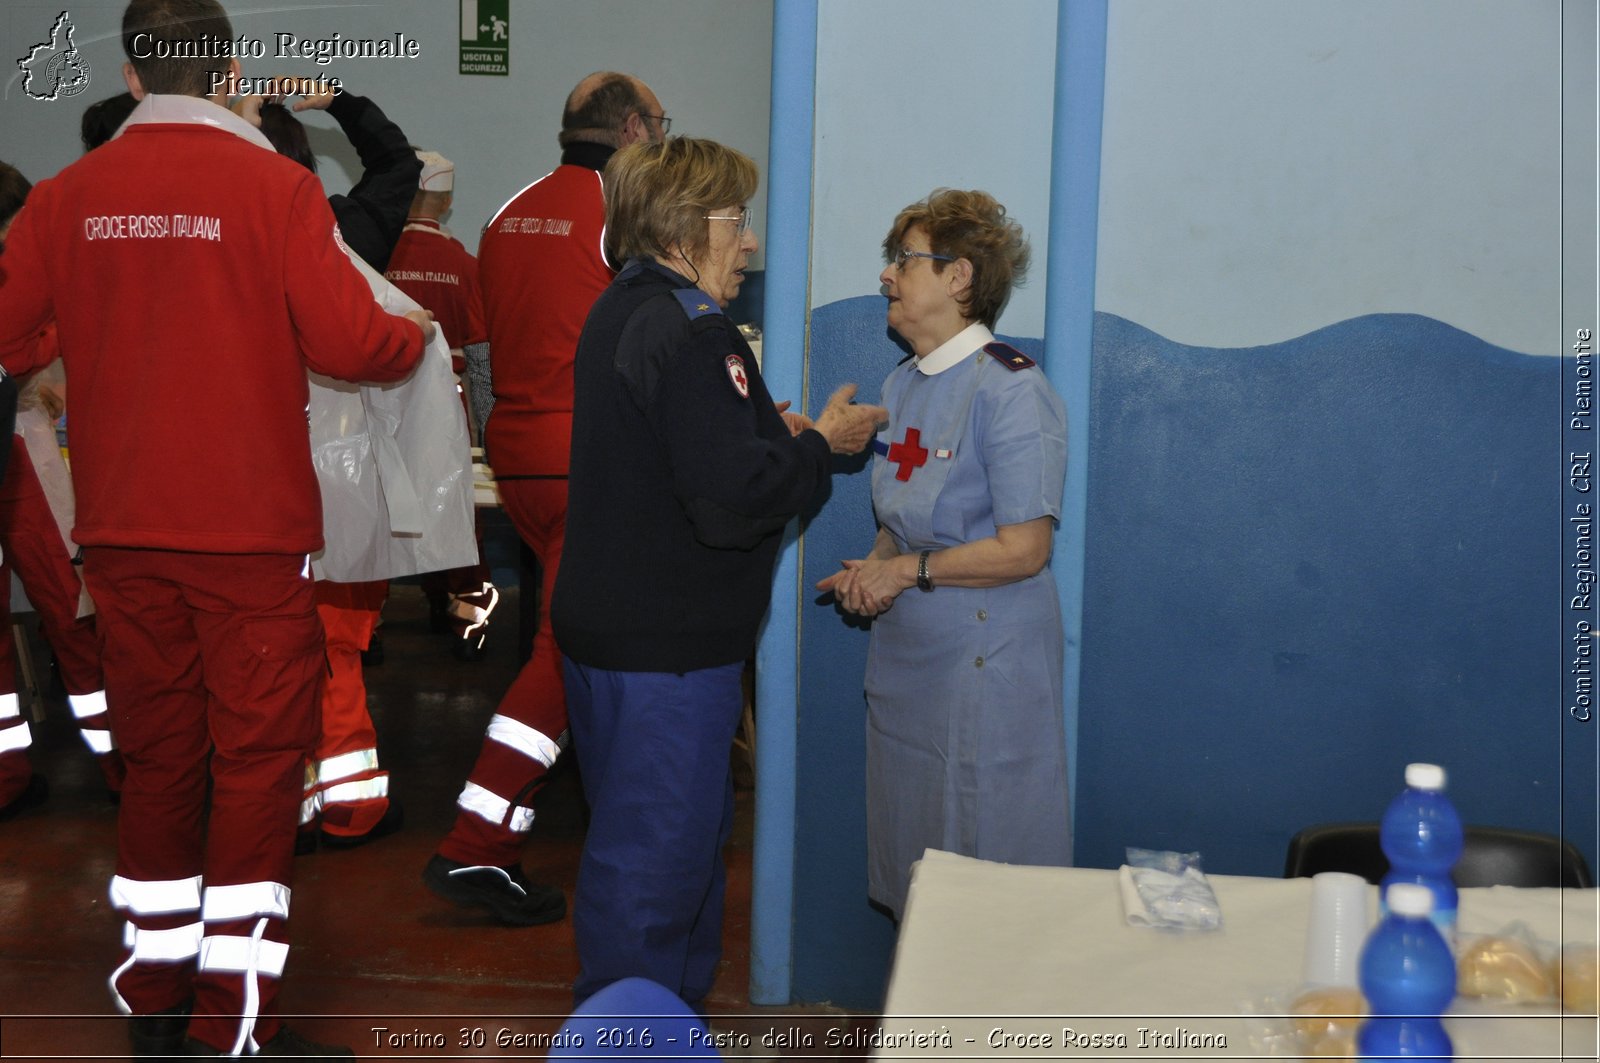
162,109
955,350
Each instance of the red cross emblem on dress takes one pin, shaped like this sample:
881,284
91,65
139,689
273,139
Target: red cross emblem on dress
909,454
741,382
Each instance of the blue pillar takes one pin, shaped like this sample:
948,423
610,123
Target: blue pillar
1069,304
794,75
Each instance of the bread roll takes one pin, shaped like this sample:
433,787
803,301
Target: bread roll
1328,1011
1503,968
1580,987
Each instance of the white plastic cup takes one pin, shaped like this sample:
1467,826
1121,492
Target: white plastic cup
1341,909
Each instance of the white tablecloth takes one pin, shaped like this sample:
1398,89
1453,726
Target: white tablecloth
1034,962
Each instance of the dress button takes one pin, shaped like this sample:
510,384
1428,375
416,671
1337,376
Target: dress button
983,614
979,662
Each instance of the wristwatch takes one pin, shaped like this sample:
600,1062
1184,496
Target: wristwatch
924,581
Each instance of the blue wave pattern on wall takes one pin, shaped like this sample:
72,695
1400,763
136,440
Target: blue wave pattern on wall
1308,564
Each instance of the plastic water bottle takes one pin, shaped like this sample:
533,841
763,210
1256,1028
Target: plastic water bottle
1421,836
1408,976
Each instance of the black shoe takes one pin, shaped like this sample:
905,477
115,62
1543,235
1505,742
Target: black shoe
394,817
372,656
284,1043
35,793
160,1033
503,891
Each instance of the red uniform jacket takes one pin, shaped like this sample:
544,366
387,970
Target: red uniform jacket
194,278
542,267
436,271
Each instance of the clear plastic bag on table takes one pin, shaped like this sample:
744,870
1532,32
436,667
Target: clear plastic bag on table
1168,890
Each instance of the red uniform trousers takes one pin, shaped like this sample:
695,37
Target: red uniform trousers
529,727
343,783
219,658
31,542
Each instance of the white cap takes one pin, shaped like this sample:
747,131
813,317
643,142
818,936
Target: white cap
438,172
1410,899
1424,777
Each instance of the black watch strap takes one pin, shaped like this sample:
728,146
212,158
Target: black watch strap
924,581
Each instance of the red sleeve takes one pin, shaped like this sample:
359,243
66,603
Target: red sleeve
49,345
25,304
344,333
477,330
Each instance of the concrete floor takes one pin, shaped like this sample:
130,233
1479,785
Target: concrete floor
378,962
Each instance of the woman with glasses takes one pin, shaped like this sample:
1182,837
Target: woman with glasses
965,740
684,473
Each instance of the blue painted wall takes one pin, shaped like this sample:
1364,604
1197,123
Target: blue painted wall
1308,564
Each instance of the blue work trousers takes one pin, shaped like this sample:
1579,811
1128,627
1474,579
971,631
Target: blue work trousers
654,751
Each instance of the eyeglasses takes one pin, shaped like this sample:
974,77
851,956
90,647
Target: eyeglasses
905,254
666,123
743,218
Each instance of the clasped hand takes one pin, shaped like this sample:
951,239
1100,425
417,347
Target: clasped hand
869,586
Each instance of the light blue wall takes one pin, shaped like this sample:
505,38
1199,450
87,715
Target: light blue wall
913,96
1271,167
500,131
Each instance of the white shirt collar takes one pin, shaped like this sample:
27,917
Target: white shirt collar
158,109
955,350
427,225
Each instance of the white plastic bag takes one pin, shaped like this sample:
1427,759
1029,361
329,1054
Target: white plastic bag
394,464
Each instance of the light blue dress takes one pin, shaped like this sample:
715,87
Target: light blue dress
966,749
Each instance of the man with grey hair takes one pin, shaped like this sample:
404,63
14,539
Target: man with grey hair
541,266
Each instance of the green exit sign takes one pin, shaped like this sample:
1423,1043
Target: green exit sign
486,37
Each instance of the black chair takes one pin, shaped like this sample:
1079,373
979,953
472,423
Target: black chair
1491,856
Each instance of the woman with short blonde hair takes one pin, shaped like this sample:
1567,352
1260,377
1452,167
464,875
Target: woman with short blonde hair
658,195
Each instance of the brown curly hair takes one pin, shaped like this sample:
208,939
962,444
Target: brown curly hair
972,225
